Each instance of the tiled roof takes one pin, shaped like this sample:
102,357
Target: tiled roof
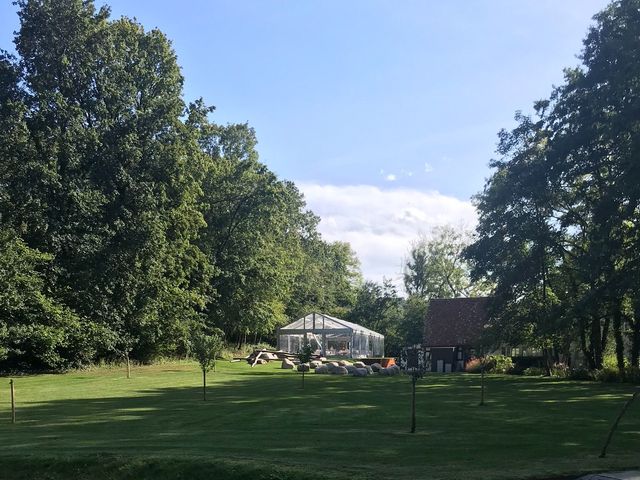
455,321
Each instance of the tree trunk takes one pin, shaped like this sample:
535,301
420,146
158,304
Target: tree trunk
128,366
595,342
546,355
204,385
414,379
635,343
635,336
583,343
482,382
617,333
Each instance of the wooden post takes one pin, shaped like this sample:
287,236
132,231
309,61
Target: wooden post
13,402
414,379
615,424
482,365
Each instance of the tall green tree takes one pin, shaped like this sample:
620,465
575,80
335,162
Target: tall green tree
379,307
436,268
105,176
558,218
36,330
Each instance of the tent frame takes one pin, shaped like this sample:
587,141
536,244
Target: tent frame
350,331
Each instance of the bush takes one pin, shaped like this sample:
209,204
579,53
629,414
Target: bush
612,375
606,374
633,375
473,366
494,364
534,372
580,373
560,370
500,364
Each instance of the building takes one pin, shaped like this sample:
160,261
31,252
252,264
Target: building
452,330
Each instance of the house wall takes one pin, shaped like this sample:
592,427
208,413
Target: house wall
449,359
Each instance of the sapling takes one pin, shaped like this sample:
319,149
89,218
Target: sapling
415,362
206,349
304,355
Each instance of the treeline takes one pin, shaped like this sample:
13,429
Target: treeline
559,218
128,219
434,268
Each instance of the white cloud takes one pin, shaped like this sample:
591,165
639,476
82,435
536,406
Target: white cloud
390,178
380,224
428,167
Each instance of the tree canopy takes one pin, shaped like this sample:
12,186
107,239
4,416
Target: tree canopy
558,229
130,219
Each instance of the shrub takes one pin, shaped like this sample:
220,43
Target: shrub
534,372
473,366
560,370
633,375
500,364
610,362
606,374
494,364
580,373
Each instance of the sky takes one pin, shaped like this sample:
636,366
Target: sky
384,113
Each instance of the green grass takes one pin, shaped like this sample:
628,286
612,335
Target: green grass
259,424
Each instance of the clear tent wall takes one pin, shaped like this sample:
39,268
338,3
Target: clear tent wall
331,336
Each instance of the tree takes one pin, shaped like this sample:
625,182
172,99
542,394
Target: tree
436,267
415,362
305,354
328,279
152,217
380,308
97,174
36,330
206,348
558,217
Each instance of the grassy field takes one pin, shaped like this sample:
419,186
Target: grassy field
259,424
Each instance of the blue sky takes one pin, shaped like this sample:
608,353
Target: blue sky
389,106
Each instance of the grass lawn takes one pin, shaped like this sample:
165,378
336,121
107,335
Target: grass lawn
259,424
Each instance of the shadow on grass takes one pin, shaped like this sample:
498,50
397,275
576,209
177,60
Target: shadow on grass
356,427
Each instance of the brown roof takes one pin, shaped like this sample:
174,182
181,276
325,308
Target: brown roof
454,322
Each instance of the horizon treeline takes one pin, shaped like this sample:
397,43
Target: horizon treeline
559,218
128,219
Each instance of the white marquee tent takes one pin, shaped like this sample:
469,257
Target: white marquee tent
331,336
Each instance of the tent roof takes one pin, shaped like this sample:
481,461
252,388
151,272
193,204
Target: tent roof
325,323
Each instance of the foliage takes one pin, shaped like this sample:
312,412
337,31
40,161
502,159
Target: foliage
35,329
558,217
500,364
436,268
379,308
580,373
473,365
493,364
560,370
206,348
149,218
534,372
305,354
